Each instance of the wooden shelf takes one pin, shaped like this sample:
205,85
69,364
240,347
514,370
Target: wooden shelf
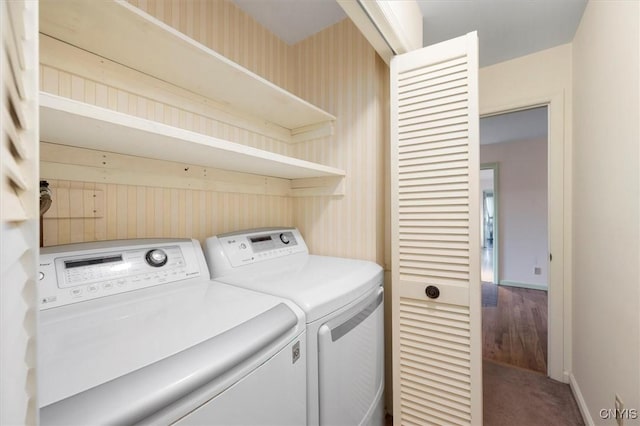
67,122
118,31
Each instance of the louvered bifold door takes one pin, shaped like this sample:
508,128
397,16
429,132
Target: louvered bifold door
19,211
435,235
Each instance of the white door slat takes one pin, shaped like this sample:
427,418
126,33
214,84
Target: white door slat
431,78
456,87
406,75
450,214
431,178
14,135
432,237
416,149
453,152
454,319
434,202
423,104
442,258
436,345
447,195
433,131
431,85
436,318
12,170
16,64
433,169
421,365
443,184
16,104
432,274
435,385
451,138
430,414
435,245
444,120
449,103
435,268
436,396
423,279
434,208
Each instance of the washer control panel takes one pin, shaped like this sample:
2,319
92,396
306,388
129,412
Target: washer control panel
243,249
77,275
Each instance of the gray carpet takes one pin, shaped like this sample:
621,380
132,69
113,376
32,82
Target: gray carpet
489,295
518,397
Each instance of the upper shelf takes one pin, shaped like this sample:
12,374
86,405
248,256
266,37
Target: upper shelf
68,122
118,31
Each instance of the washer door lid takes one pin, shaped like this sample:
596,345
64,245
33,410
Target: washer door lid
135,396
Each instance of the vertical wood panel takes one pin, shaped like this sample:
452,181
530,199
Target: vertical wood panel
145,212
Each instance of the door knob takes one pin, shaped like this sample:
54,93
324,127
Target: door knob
432,292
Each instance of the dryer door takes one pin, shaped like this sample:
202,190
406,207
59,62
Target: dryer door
351,365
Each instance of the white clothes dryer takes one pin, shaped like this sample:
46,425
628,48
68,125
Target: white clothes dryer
135,332
343,303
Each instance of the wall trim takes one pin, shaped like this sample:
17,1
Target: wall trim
509,283
582,405
496,217
559,219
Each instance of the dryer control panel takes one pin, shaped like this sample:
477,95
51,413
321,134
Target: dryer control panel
247,247
78,272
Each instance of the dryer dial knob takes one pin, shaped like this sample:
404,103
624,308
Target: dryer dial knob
284,239
156,257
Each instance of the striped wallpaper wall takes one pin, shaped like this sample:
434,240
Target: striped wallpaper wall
340,72
336,69
87,211
225,28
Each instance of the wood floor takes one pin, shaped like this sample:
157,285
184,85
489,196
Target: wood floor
514,331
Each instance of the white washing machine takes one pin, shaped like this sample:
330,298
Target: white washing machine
135,332
343,303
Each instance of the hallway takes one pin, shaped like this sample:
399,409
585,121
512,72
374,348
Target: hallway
514,326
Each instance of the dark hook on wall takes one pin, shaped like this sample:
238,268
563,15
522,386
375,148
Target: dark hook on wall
45,204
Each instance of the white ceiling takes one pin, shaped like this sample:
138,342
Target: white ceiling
523,125
507,28
293,20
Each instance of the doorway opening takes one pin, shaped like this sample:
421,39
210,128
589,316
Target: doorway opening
514,238
489,223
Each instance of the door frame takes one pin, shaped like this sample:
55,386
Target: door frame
559,237
496,218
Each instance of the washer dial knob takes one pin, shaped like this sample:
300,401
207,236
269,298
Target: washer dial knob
156,257
284,239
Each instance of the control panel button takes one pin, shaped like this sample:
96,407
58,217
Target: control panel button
41,276
284,239
156,257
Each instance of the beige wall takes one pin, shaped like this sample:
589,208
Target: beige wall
522,215
336,69
606,297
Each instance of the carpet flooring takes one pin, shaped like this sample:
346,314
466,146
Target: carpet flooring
514,396
517,397
489,295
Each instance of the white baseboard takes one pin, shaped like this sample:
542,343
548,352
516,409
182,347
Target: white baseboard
510,283
582,405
